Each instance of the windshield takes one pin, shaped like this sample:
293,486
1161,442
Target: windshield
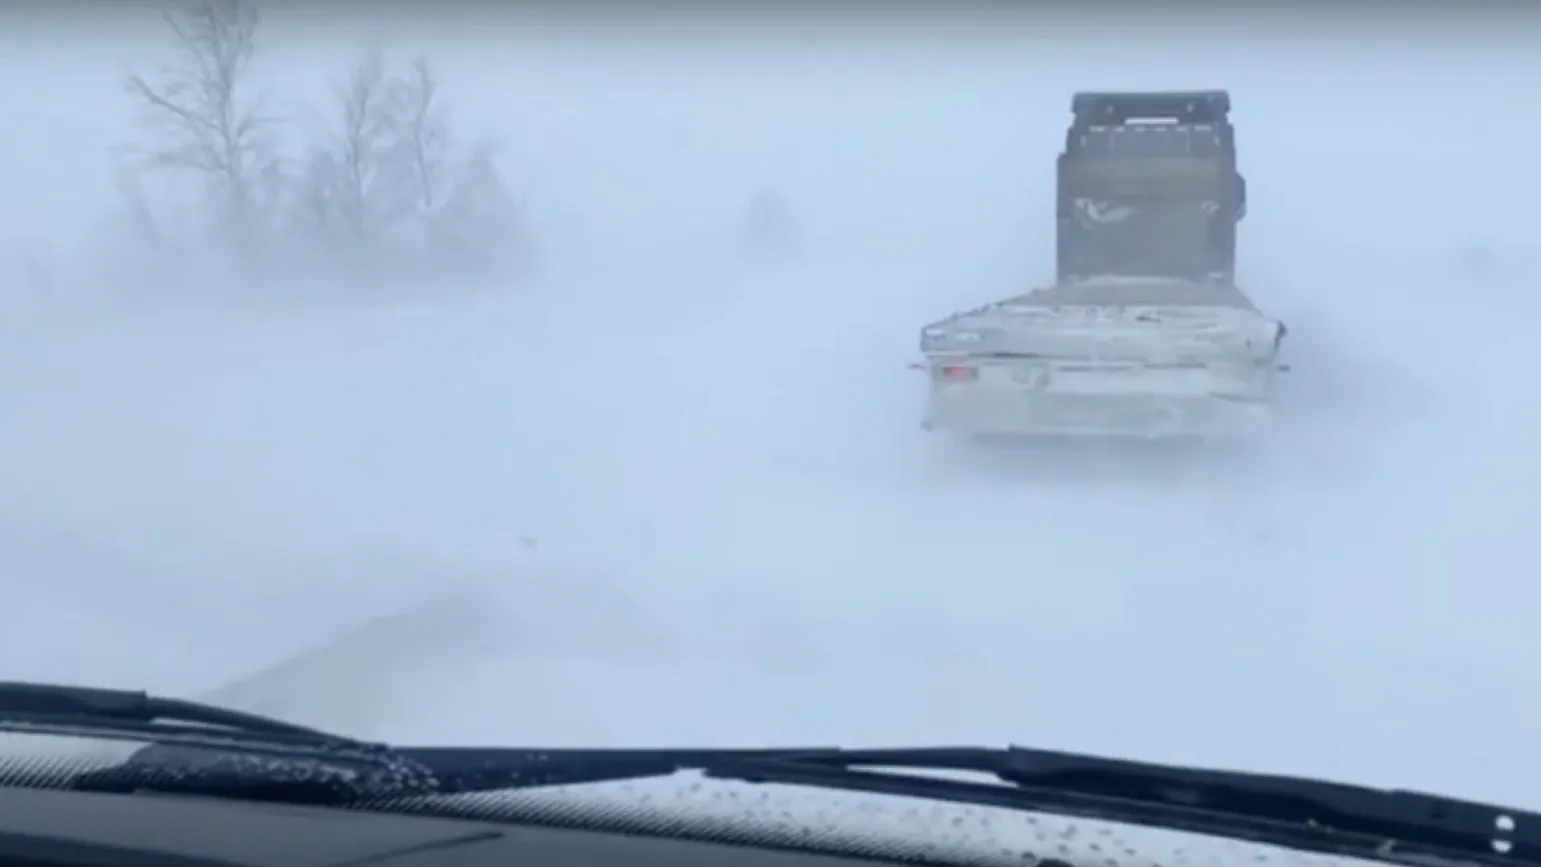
1145,238
484,422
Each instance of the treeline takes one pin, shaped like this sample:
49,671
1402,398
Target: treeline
372,186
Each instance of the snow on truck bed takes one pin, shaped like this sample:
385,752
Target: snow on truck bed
1135,292
1127,317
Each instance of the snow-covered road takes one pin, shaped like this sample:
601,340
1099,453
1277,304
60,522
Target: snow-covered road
741,536
738,542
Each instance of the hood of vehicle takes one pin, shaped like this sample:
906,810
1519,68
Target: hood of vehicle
881,826
902,829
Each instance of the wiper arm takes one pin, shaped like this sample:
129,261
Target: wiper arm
204,749
43,708
341,776
199,748
1299,813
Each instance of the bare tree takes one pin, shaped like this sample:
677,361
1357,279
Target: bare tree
200,116
366,195
470,218
380,163
395,164
423,143
383,166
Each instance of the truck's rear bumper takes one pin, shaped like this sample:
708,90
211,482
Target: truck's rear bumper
1137,416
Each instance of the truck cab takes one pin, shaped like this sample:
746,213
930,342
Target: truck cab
1148,187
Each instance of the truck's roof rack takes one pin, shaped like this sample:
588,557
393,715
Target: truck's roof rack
1193,106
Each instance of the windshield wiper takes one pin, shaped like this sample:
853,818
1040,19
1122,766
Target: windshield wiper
203,749
1297,813
1294,812
200,748
44,708
196,747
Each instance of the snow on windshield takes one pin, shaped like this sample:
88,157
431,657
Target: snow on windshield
680,497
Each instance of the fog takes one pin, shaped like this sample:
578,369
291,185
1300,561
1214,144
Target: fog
663,494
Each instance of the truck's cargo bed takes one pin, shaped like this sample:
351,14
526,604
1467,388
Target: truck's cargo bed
1138,357
1132,292
1131,319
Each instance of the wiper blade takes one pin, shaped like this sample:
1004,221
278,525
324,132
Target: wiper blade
376,773
61,709
1295,812
199,748
204,749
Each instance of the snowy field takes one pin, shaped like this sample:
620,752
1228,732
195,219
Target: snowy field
684,499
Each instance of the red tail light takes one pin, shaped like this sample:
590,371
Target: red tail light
959,372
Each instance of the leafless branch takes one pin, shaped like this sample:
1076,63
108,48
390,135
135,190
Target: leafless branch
196,110
386,162
367,125
423,141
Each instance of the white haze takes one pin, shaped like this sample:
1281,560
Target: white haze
740,534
